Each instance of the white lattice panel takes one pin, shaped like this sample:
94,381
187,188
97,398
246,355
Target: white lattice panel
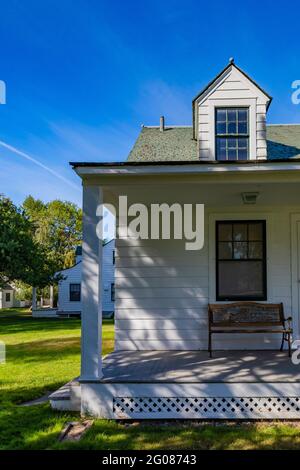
206,407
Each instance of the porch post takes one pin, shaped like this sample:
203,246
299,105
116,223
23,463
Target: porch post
91,311
51,289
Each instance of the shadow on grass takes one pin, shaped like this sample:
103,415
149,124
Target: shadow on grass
35,427
109,435
28,324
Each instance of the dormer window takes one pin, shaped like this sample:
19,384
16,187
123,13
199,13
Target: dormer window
232,133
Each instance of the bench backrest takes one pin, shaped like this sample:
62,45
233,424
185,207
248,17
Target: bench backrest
245,314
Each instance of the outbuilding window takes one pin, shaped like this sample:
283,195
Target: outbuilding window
112,292
241,260
75,292
232,133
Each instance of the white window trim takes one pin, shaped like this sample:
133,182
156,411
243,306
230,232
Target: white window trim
232,215
249,103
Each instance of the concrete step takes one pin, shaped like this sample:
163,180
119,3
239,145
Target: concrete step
67,397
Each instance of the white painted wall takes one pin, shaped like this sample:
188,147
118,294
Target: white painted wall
73,276
162,291
12,302
234,89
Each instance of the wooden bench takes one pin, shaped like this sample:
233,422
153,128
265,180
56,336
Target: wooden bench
248,317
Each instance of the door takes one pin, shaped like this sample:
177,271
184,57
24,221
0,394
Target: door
295,265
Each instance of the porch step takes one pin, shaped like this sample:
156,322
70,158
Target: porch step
65,314
45,313
67,397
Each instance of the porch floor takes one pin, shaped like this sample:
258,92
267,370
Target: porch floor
197,367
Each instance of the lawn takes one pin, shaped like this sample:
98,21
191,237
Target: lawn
42,354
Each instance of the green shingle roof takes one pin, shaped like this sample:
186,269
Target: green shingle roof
177,144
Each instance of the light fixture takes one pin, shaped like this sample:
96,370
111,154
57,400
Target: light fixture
250,198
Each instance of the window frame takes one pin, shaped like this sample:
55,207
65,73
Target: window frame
71,292
245,260
112,292
9,296
235,136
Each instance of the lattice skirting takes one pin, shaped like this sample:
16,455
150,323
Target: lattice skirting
207,407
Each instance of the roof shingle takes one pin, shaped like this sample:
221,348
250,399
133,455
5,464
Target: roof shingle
177,144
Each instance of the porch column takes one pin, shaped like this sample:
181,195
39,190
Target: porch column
91,311
51,296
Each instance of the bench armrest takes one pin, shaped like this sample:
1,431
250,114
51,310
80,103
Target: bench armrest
288,320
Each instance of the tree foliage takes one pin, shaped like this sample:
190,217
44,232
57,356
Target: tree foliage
58,228
22,258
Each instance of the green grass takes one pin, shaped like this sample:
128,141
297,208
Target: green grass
43,354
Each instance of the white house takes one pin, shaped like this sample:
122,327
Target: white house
8,297
247,175
69,289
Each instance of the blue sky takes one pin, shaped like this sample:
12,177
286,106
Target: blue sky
83,75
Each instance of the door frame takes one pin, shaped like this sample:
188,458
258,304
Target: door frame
295,218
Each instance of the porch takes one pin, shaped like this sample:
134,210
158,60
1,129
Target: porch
188,384
160,367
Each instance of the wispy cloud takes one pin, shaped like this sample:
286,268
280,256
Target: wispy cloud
38,163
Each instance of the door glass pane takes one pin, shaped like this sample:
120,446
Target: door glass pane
240,232
242,279
225,250
256,231
255,250
225,232
240,250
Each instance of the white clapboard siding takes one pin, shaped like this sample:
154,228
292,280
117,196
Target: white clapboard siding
163,313
196,334
144,261
159,324
158,292
151,282
165,306
160,272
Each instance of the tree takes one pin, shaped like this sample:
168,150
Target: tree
58,228
22,258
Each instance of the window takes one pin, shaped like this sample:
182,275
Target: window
232,133
7,297
75,291
113,257
112,292
241,260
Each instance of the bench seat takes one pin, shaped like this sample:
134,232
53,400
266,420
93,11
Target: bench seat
249,318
